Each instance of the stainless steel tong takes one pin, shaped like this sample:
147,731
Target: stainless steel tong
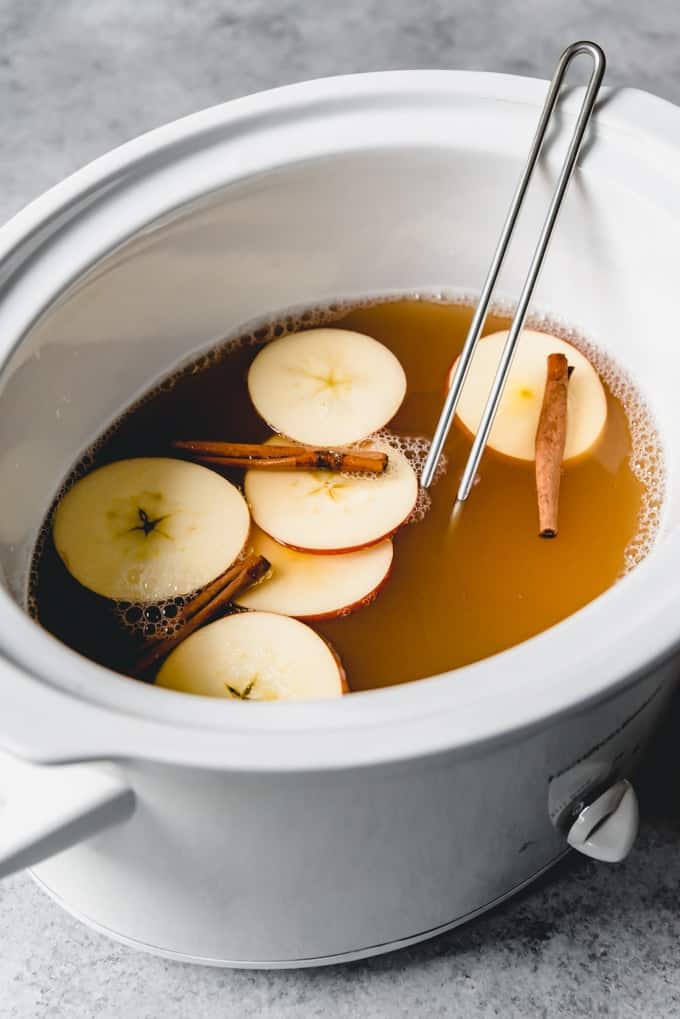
479,318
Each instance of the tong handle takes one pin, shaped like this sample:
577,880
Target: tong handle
481,311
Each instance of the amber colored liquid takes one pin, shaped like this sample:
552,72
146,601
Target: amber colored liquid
461,589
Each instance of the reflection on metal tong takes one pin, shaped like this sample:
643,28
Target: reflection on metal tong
477,324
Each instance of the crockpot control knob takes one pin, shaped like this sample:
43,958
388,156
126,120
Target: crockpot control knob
607,827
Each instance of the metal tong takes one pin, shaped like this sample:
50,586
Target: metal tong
479,318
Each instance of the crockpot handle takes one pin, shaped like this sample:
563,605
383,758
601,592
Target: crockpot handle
47,808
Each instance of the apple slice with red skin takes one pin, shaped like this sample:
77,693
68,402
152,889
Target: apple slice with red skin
310,586
255,656
322,512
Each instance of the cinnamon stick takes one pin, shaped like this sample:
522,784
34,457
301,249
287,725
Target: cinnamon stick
212,598
286,458
551,437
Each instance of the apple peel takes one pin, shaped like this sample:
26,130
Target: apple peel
314,587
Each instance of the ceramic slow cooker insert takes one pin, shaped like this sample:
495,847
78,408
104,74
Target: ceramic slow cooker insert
301,833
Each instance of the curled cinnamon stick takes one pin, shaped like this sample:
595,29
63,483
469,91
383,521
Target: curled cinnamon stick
285,458
551,437
212,598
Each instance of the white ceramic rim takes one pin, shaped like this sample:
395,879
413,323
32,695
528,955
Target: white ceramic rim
585,658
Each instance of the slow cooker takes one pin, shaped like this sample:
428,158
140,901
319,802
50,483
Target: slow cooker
305,833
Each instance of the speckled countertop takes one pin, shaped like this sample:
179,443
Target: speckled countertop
77,78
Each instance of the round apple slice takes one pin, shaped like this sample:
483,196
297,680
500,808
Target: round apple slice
311,586
255,656
326,387
318,511
146,529
514,430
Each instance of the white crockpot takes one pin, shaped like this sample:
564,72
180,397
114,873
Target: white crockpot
300,833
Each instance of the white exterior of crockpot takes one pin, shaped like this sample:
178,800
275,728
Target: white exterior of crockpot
293,869
311,832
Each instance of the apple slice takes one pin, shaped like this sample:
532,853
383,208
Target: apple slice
146,529
311,586
514,430
315,511
255,656
326,387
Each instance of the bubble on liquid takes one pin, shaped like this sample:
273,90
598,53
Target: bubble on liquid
32,606
415,448
160,619
152,620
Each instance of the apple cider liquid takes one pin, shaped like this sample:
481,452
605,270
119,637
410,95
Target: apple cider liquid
459,590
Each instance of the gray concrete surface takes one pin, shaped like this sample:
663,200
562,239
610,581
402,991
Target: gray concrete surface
77,78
